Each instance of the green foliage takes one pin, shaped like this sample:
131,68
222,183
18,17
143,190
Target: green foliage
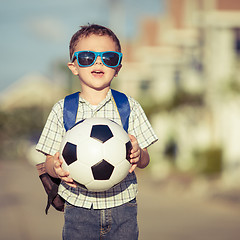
208,161
17,126
20,122
180,99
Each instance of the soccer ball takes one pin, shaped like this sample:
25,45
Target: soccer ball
96,153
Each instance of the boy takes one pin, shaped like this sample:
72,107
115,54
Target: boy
95,54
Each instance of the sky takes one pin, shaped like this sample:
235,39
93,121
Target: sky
35,34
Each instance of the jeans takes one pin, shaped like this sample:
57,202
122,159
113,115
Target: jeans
118,223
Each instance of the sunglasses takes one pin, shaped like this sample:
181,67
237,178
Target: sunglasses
110,59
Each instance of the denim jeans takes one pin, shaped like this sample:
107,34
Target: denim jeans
118,223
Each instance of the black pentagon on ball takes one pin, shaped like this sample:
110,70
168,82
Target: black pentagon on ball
102,170
69,153
128,150
101,133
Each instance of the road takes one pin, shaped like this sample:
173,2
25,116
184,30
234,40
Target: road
166,211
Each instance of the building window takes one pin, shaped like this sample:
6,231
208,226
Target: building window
237,41
145,85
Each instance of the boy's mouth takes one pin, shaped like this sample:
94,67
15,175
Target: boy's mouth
97,73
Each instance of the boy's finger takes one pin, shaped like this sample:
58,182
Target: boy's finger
133,167
63,173
72,185
56,155
132,138
135,154
67,179
57,164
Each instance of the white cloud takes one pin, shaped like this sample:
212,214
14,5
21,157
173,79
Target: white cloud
47,28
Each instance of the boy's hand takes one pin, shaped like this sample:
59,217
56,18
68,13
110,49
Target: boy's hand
60,173
135,155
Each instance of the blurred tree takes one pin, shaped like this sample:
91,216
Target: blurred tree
17,126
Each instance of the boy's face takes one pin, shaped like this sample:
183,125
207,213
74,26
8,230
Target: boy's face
98,76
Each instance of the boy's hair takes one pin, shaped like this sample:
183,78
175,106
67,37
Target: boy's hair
92,29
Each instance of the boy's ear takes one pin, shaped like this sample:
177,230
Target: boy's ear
73,68
117,70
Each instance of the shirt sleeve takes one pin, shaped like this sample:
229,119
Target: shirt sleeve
139,125
53,131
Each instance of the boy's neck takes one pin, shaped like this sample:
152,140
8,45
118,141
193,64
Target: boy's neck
94,97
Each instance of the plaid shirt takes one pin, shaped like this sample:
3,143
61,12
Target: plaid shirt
53,132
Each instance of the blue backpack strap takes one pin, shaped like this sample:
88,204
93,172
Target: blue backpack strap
70,109
71,106
123,107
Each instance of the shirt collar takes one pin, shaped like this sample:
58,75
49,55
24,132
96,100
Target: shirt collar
102,103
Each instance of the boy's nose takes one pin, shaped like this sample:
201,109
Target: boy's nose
98,60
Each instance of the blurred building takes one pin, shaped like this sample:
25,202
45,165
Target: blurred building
189,59
29,91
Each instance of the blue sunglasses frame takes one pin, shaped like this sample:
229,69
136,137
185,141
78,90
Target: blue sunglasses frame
96,54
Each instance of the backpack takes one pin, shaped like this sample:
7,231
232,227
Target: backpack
69,119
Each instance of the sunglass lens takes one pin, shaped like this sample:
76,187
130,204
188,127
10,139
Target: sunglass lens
86,58
110,59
